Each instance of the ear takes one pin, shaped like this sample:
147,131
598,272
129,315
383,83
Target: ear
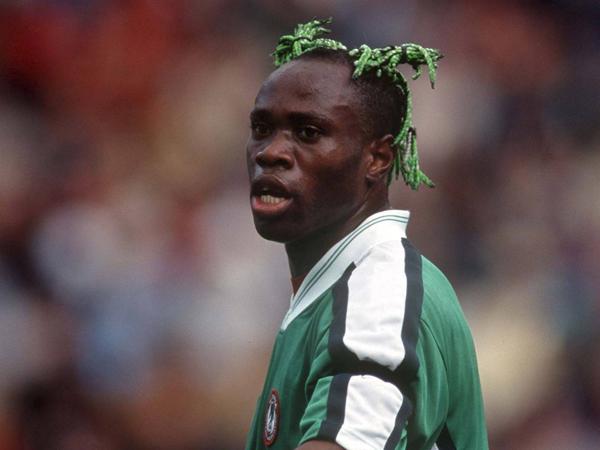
380,158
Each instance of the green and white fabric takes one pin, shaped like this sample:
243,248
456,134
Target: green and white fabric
374,353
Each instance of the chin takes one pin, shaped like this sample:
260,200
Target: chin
276,232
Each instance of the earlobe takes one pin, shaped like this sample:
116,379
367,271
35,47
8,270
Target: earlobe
381,156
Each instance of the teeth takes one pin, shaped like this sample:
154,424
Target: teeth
271,199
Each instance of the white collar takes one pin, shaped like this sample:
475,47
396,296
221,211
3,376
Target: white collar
383,226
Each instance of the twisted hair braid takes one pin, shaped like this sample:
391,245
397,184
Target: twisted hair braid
305,38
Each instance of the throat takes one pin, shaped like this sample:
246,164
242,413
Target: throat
296,282
306,251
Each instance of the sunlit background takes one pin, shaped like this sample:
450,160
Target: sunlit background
138,306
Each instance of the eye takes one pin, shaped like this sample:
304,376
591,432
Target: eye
309,133
260,130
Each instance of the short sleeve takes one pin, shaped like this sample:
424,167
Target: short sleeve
366,358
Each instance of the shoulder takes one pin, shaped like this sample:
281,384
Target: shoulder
393,279
377,304
386,271
381,277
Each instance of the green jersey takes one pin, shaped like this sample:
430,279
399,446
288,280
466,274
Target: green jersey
374,353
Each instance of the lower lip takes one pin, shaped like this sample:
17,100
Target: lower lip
269,209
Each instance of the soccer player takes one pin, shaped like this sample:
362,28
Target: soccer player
374,352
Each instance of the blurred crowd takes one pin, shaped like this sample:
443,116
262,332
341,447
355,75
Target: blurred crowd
137,304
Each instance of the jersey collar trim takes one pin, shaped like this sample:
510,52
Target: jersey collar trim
380,227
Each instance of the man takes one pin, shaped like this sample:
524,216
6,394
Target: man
374,352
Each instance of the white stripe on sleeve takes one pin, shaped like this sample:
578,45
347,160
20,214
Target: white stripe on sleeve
376,306
370,414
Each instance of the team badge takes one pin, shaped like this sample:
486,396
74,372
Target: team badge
271,426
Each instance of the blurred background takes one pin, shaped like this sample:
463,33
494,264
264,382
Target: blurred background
137,304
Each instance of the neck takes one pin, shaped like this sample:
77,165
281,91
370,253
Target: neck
304,253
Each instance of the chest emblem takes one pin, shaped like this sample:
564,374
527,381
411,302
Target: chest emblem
271,425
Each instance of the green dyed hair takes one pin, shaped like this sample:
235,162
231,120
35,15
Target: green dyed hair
309,36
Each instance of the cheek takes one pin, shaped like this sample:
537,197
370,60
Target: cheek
338,185
344,174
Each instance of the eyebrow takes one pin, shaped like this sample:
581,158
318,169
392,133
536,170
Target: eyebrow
297,116
259,114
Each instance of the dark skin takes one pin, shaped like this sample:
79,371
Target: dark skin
315,176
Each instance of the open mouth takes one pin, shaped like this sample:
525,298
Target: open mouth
269,196
269,204
270,199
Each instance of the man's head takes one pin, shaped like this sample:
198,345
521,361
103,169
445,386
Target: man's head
313,160
324,140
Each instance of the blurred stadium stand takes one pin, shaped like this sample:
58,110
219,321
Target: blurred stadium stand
137,304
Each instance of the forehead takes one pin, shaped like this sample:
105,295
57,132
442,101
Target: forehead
309,85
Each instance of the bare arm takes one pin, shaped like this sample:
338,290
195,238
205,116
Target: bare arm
319,445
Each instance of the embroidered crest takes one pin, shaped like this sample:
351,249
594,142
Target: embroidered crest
271,425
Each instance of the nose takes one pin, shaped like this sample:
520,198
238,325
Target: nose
276,153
